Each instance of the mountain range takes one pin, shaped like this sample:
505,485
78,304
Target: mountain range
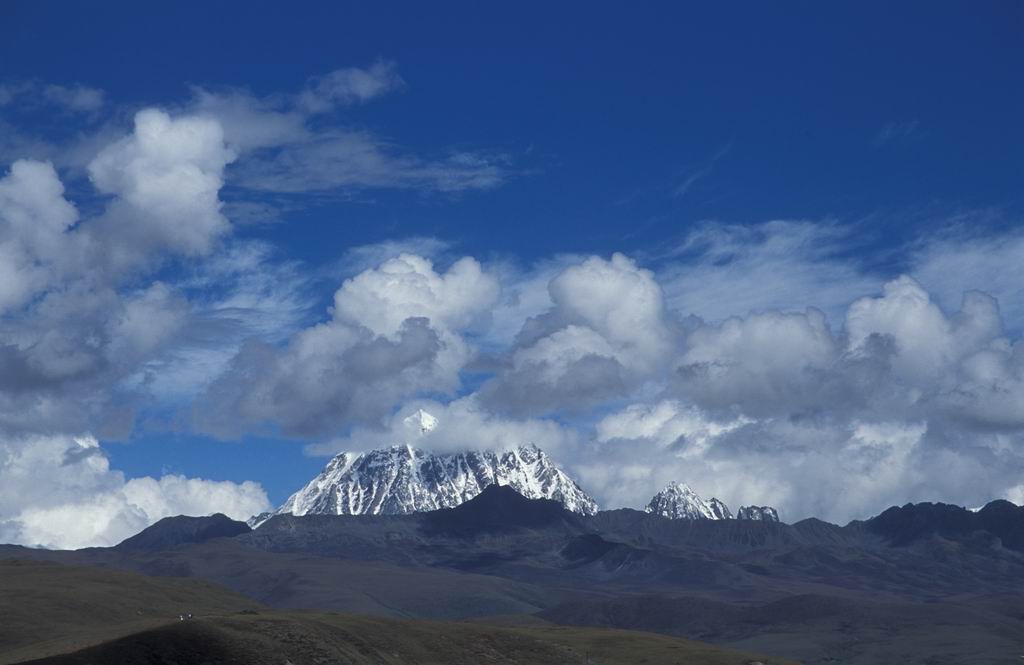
402,479
508,540
874,591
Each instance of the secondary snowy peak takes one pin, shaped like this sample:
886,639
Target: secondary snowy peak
679,502
720,510
403,479
757,513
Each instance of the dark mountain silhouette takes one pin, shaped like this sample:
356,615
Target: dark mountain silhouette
182,530
498,508
902,526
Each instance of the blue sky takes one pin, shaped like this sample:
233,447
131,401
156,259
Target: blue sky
846,110
753,158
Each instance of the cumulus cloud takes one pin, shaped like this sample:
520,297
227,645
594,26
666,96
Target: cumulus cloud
90,337
408,287
605,333
723,270
760,363
904,402
900,399
86,327
462,424
166,177
59,491
832,468
964,258
34,219
394,334
84,317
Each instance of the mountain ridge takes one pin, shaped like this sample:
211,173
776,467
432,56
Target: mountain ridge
679,501
402,479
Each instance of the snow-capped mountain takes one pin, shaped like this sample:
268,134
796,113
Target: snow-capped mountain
678,501
720,510
757,513
403,479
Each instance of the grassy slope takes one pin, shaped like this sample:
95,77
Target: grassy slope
312,639
51,608
296,581
822,629
75,615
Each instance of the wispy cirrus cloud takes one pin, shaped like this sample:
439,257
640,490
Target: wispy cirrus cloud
284,151
73,98
680,190
896,131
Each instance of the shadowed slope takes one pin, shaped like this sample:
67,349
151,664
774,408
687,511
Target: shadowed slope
182,530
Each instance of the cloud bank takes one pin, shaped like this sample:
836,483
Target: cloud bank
760,363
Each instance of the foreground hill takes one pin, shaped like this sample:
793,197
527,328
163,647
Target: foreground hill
314,639
48,608
72,615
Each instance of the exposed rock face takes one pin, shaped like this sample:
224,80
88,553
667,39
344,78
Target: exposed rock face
679,502
757,513
721,510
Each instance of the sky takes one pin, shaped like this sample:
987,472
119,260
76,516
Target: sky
771,251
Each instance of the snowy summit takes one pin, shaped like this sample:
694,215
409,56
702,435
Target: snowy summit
404,479
678,501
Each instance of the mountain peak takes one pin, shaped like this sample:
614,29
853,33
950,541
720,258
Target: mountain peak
405,479
679,501
421,421
757,514
172,531
719,508
497,508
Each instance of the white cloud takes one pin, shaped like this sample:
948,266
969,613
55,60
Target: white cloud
355,160
462,424
350,85
78,98
907,402
605,333
721,270
394,334
75,98
34,220
59,491
959,260
166,176
905,314
915,390
86,322
759,362
291,143
250,123
407,286
835,469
